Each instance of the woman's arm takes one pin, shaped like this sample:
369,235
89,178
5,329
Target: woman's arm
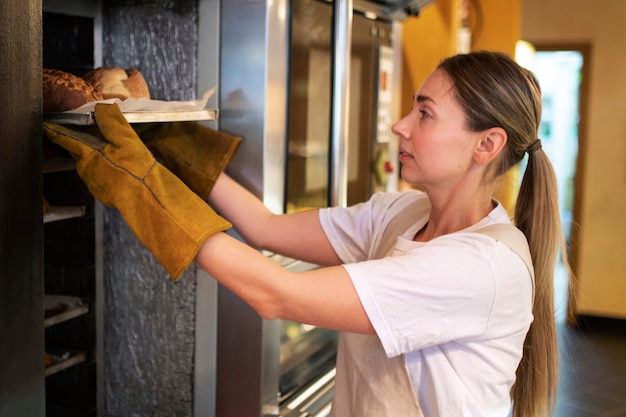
324,297
297,235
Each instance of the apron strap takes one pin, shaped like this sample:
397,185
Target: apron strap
512,237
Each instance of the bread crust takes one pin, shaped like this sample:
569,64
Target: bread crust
63,91
115,82
136,84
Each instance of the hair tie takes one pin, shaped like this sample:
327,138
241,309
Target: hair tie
534,147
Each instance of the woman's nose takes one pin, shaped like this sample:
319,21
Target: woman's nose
400,128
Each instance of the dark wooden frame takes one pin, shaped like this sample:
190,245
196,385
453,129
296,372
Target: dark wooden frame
574,242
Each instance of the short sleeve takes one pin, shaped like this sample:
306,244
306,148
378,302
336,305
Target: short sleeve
355,232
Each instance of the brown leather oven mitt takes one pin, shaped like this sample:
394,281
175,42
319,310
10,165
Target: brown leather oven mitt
164,214
195,153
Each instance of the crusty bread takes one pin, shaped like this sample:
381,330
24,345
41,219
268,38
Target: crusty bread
108,81
63,91
136,84
115,82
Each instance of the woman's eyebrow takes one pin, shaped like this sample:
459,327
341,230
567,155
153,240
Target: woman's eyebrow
419,98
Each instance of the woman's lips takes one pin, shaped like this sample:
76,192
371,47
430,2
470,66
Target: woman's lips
404,155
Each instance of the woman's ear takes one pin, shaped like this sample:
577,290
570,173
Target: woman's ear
491,143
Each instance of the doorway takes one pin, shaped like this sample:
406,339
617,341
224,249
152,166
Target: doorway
560,71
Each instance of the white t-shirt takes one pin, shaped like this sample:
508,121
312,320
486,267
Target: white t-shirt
457,307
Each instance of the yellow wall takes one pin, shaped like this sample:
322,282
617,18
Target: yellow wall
432,36
601,261
501,25
426,40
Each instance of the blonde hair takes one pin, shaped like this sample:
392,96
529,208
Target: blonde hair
496,92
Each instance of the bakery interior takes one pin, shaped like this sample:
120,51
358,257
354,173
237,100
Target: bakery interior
150,347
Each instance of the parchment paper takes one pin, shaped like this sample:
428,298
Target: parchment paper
148,105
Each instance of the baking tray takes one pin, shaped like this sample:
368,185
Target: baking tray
88,118
62,359
60,308
58,213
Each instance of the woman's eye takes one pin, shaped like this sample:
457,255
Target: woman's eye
425,114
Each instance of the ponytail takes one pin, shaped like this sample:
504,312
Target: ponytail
537,216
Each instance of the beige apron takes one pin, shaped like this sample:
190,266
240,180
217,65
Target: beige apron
369,383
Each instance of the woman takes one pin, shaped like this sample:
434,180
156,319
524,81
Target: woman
439,313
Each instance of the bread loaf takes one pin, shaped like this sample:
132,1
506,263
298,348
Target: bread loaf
136,84
115,82
63,91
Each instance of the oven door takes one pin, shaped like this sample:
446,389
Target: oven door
313,159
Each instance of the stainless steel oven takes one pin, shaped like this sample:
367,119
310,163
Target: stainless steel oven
312,86
332,137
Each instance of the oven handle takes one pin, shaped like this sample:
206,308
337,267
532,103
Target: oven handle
342,12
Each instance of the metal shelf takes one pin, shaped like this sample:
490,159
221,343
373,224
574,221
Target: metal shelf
64,360
85,119
58,213
60,308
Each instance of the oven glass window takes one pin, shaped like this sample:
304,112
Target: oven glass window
309,105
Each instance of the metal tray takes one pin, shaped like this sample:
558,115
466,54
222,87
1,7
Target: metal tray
85,119
62,359
60,308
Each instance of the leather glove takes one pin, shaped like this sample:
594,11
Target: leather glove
164,214
195,153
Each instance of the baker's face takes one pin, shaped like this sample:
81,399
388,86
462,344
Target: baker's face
435,147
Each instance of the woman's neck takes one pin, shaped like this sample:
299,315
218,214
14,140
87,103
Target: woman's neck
451,216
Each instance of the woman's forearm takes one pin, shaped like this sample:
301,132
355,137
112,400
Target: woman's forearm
240,207
297,235
323,297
